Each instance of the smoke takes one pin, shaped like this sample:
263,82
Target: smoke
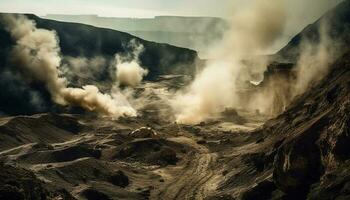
228,81
128,70
124,69
315,59
38,55
90,98
221,84
82,68
272,96
37,52
130,73
216,87
279,88
210,93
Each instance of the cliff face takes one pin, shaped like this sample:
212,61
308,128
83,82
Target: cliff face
318,137
310,142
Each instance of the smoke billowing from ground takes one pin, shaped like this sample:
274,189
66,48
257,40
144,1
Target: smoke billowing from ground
312,65
128,70
222,83
130,73
90,98
210,93
215,88
38,54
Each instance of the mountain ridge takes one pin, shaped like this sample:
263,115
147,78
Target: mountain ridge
85,41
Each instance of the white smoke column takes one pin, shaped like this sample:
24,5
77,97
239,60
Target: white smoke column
37,52
129,73
209,93
128,70
214,89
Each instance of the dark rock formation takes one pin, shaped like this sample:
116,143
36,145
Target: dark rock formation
119,179
20,184
152,151
91,194
261,191
338,22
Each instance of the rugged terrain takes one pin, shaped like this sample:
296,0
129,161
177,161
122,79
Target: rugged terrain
131,158
303,153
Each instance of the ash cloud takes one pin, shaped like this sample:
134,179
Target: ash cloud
224,81
215,88
218,86
37,55
312,65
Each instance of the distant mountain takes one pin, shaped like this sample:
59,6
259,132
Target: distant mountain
337,21
79,40
337,24
190,32
88,41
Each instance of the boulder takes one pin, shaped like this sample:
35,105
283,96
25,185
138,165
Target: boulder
143,132
119,179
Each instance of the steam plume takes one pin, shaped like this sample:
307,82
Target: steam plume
38,54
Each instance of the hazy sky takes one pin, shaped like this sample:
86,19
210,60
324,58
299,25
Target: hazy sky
150,8
119,8
300,12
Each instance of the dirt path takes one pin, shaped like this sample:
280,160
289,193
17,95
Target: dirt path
192,180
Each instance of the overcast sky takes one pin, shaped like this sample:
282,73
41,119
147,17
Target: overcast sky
300,12
150,8
119,8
